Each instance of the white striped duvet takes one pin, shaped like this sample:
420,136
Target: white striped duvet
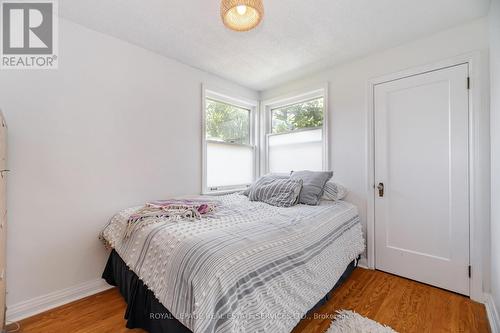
252,267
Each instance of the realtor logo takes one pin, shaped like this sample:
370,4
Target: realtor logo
29,34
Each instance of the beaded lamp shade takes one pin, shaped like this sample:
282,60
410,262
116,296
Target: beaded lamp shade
241,15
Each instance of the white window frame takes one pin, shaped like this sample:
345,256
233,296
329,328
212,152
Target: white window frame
214,94
286,100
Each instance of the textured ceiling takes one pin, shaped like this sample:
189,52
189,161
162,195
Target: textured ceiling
296,36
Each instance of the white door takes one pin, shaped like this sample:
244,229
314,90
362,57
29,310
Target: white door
421,161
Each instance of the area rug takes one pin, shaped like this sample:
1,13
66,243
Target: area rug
350,322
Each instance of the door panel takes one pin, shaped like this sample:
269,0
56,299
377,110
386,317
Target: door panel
421,157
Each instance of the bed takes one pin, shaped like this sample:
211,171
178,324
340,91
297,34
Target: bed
249,267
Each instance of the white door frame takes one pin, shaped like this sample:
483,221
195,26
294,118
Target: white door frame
475,188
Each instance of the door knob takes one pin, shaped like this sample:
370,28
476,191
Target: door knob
380,189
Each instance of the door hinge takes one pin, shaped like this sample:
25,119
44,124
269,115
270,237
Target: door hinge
470,271
468,83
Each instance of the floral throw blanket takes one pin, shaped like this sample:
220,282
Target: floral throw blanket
169,210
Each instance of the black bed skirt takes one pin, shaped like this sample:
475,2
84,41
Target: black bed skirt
146,312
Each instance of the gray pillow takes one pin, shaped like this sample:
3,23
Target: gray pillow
281,192
313,184
333,191
268,176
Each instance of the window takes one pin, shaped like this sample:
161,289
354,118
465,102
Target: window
304,115
229,151
296,135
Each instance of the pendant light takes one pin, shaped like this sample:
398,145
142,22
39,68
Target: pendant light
241,15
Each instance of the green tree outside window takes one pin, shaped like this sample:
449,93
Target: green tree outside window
298,116
227,123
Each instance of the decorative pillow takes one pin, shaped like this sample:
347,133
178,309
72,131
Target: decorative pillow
268,176
281,192
313,184
333,191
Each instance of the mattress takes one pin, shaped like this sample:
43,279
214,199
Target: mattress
249,267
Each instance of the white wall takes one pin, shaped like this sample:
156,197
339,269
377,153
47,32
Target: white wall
495,149
348,105
114,126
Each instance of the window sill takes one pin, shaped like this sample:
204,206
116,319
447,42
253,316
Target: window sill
222,192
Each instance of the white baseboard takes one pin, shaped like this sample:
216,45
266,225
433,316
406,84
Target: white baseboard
49,301
363,263
492,312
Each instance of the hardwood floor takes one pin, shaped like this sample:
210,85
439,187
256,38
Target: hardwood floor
405,305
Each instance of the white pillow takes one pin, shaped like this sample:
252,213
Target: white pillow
333,191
